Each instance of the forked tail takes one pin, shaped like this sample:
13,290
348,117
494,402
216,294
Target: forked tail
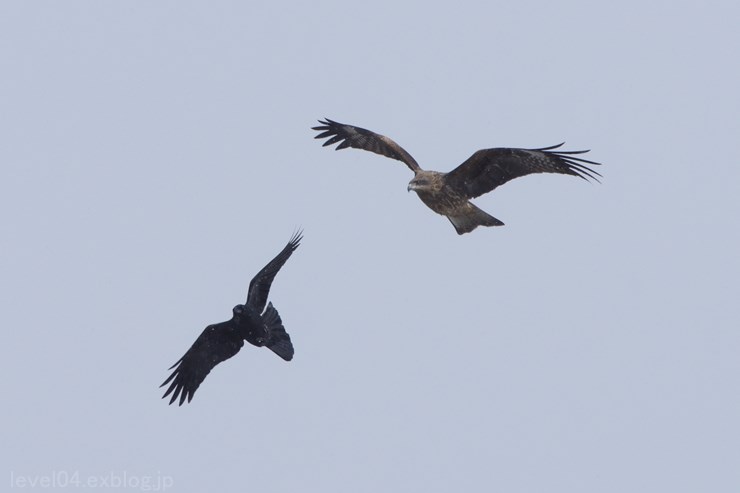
471,219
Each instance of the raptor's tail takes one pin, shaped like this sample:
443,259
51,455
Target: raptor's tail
471,219
279,340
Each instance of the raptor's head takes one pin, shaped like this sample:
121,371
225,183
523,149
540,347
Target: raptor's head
425,181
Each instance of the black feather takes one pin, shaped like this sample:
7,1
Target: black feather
219,342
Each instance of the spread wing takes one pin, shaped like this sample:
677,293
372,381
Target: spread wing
259,287
489,168
215,344
360,138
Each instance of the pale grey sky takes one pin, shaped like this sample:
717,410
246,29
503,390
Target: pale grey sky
155,155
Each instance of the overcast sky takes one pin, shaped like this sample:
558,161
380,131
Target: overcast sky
155,155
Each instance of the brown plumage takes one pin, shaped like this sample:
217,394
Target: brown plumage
449,193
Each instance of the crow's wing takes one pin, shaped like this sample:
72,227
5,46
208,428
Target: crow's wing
215,344
489,168
259,287
360,138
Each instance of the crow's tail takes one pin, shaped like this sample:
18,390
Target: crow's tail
278,340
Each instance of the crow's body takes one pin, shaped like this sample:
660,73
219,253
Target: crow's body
251,321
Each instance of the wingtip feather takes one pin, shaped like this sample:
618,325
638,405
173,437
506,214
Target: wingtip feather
295,239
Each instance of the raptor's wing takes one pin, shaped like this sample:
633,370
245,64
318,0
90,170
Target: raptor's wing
489,168
360,138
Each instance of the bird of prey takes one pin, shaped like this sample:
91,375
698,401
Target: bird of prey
449,193
219,342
